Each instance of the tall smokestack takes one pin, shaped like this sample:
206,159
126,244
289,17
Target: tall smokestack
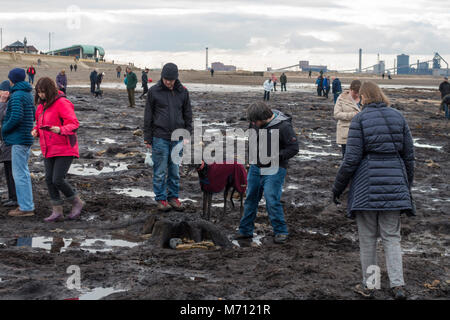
207,58
360,60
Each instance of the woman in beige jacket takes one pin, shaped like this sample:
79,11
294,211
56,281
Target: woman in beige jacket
347,106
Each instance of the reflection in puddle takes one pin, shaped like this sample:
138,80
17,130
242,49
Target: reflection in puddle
99,293
106,140
80,170
58,244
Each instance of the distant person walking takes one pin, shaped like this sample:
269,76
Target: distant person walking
283,81
379,167
61,81
168,108
274,80
212,72
131,87
347,106
268,86
93,78
444,88
337,89
56,127
75,67
119,71
319,85
16,132
5,150
31,72
446,106
144,79
310,74
71,68
326,86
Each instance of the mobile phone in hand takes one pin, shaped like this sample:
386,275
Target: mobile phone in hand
45,128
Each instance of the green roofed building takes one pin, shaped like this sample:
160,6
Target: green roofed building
80,51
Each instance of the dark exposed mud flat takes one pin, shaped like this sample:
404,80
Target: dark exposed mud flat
321,261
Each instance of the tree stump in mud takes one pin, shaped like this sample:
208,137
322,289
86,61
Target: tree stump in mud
178,225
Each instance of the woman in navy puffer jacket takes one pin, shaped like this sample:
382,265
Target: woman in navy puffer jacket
379,165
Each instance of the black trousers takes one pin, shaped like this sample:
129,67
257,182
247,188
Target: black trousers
266,95
344,147
92,87
274,86
319,91
283,86
55,176
145,88
10,181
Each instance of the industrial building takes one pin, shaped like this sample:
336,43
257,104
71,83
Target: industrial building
219,66
403,64
81,51
306,67
20,47
379,68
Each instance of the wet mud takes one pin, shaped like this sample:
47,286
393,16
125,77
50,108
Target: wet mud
119,258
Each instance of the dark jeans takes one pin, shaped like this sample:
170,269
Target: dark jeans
319,91
92,87
55,175
447,111
266,95
283,86
10,181
118,74
344,147
145,88
166,173
31,78
274,86
271,186
336,96
325,92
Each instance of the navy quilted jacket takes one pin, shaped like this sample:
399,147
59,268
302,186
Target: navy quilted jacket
378,163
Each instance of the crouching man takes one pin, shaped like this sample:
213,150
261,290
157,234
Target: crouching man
168,108
268,179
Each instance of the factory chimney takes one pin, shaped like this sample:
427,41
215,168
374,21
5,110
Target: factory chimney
360,60
207,58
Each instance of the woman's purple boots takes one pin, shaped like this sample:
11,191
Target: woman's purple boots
57,214
77,206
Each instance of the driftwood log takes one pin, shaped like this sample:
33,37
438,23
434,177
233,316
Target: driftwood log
164,227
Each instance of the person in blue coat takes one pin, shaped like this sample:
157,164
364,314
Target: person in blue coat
16,132
379,166
337,88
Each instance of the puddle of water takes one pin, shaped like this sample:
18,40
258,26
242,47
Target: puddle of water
293,187
107,140
58,245
135,192
308,154
417,144
99,293
80,170
36,153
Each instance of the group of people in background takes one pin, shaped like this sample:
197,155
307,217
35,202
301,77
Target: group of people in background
73,67
55,124
271,85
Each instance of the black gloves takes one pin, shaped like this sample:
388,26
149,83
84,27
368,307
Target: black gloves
336,198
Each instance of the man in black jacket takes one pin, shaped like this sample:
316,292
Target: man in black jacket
144,82
93,78
268,173
168,108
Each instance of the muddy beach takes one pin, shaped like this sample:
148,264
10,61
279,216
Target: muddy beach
119,259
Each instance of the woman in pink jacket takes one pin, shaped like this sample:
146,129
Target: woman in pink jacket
56,127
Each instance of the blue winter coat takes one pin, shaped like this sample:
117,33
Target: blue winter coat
380,172
337,87
19,118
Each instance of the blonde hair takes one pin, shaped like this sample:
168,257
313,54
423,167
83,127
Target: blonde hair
372,93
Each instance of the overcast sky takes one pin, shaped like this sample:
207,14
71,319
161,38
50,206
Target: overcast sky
251,34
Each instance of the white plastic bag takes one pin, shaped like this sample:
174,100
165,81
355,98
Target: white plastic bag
148,159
